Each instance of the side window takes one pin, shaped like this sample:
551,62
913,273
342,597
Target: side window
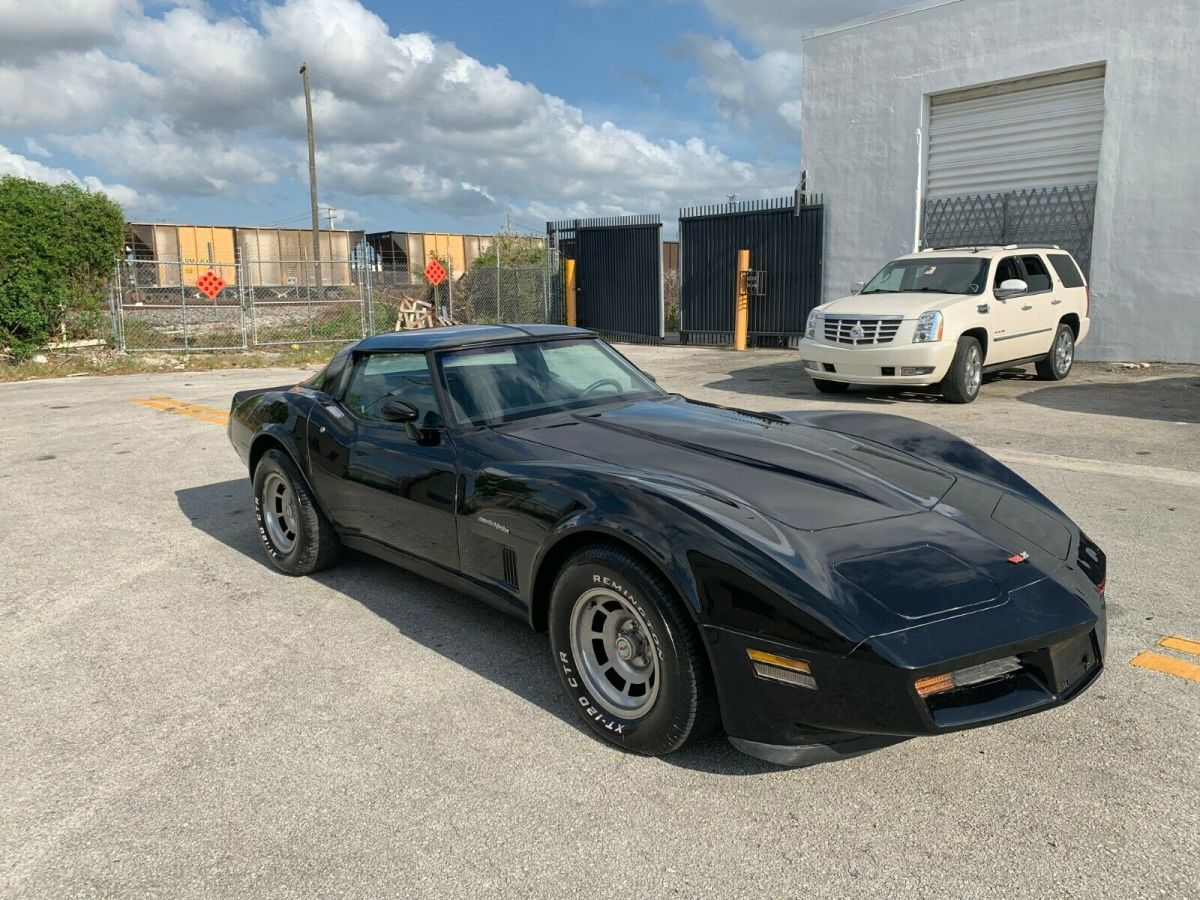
1036,275
385,376
1068,272
1007,268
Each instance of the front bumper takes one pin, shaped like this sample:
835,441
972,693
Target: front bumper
862,700
870,364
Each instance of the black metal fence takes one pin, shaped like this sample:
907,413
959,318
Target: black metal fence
618,274
1061,215
785,240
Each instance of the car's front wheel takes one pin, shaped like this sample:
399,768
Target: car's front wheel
294,532
628,654
1057,364
962,381
830,387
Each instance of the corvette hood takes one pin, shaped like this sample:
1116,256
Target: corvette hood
801,476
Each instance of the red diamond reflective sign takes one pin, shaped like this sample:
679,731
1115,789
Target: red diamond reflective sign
435,272
210,284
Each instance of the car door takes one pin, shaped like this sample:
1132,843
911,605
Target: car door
1006,318
1040,304
376,480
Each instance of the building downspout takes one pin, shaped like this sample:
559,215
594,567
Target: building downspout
920,191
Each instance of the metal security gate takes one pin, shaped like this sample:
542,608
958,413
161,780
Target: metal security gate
1054,215
785,238
618,274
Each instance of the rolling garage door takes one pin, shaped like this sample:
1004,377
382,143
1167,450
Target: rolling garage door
1016,163
1038,132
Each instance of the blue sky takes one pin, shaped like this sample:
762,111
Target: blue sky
453,115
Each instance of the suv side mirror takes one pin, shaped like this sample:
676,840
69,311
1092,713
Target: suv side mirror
1011,287
856,287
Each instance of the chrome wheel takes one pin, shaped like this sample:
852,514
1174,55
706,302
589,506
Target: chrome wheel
279,513
1064,352
615,652
973,371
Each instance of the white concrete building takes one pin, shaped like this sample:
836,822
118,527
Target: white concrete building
963,120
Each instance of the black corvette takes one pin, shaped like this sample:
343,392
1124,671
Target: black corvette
812,586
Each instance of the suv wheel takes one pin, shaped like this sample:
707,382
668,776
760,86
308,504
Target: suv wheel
831,387
961,384
1061,357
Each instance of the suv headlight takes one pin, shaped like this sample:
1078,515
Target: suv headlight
929,327
810,329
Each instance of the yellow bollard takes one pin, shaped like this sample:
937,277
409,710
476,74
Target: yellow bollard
569,265
741,310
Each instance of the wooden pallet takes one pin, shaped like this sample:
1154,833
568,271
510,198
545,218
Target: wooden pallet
419,314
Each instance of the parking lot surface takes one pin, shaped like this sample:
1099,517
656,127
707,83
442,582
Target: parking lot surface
178,719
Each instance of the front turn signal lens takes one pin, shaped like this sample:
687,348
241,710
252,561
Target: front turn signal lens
935,684
783,669
971,675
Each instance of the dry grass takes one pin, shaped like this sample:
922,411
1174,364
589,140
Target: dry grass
103,361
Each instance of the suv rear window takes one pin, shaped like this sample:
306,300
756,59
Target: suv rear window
1067,271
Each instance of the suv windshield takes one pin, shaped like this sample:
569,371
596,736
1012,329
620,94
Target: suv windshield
937,275
500,383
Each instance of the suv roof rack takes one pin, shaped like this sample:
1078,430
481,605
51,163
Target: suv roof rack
977,247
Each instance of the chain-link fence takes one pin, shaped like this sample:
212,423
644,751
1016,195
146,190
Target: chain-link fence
163,304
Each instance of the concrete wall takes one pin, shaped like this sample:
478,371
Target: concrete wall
866,87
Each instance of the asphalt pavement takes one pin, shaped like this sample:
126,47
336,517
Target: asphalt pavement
178,719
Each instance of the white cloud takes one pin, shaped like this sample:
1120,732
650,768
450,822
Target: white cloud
12,163
158,154
31,28
746,91
189,102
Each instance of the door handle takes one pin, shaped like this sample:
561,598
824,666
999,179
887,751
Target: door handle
1027,306
1055,302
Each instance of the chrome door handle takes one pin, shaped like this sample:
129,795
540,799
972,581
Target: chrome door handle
1027,306
1055,302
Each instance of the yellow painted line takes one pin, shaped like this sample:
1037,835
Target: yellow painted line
181,408
1168,664
1183,645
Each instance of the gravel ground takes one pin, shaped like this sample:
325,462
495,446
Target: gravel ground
177,719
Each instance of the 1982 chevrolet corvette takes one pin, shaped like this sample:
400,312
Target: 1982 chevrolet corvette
813,586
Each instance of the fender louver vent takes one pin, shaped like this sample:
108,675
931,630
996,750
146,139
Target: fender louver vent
510,566
1091,560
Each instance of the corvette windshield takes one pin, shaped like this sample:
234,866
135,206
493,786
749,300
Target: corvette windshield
500,383
931,275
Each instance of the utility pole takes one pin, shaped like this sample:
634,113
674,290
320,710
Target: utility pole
312,179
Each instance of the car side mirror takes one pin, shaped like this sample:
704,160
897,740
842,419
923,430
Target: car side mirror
1010,287
856,287
401,413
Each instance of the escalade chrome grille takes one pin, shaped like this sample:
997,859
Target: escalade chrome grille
841,330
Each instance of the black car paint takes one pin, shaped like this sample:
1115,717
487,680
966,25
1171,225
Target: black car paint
766,528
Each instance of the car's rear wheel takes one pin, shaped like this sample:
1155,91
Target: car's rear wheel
830,387
1057,364
962,381
294,532
628,654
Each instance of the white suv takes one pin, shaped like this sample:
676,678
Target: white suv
947,316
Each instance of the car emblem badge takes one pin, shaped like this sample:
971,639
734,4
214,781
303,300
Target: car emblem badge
1018,558
856,332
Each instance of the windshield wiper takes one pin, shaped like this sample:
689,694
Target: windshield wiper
929,290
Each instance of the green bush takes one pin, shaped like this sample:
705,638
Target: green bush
58,244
